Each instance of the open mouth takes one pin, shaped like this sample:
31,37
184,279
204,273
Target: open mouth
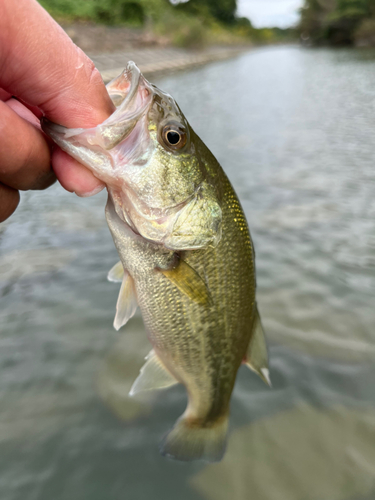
125,86
131,93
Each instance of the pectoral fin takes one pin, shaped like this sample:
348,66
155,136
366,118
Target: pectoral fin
116,274
188,281
257,353
126,302
153,375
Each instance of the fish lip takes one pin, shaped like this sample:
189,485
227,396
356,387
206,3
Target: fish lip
135,79
130,108
134,76
134,71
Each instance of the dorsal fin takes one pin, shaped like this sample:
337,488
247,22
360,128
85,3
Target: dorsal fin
126,302
116,274
153,375
188,281
257,353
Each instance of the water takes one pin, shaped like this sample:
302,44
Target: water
294,130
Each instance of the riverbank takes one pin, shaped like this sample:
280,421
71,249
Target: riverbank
110,47
158,60
99,38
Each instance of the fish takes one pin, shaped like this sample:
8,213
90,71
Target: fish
186,256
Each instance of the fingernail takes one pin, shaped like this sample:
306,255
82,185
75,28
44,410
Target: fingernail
87,194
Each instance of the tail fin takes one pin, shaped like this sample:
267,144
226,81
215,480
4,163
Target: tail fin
188,441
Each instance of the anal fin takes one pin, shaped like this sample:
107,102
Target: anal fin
126,302
153,375
257,352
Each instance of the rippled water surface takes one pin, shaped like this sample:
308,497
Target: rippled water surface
294,130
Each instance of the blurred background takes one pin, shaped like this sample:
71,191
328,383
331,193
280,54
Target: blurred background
291,118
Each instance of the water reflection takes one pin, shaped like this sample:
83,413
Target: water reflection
71,219
298,216
304,453
19,263
119,370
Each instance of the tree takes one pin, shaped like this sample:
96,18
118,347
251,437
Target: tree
334,21
223,10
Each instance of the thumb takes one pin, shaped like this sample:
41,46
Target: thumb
43,67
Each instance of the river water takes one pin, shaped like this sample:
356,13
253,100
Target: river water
294,130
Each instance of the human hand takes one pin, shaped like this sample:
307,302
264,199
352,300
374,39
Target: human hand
48,76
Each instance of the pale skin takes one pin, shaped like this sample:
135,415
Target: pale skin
42,73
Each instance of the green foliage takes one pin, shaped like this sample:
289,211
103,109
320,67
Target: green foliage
192,24
133,12
350,8
274,35
336,21
222,10
192,36
184,30
113,12
364,35
69,8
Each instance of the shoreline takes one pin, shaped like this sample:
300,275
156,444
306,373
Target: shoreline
111,47
159,61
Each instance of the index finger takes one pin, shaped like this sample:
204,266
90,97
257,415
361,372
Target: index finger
42,66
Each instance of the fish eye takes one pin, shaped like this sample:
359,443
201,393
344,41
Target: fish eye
174,136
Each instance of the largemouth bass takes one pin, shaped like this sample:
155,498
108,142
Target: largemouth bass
187,258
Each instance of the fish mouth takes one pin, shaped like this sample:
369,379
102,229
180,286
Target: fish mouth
132,94
123,89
